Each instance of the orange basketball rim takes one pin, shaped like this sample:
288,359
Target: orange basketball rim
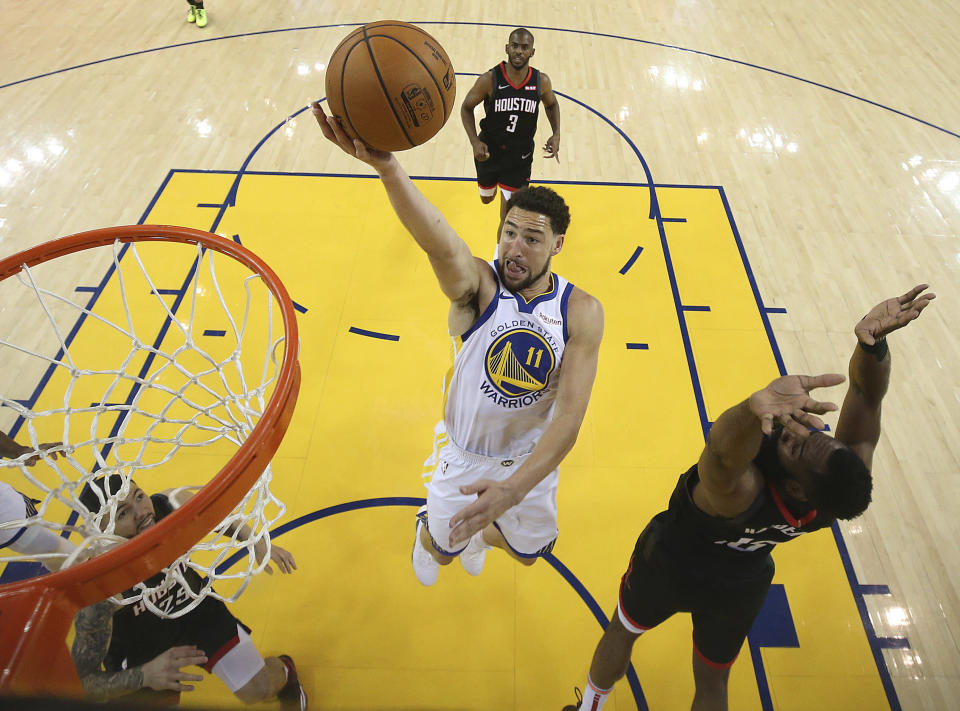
36,614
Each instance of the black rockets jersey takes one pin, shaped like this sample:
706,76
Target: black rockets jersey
732,548
139,635
511,111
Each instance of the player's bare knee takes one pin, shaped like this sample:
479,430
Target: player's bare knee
527,561
617,631
487,199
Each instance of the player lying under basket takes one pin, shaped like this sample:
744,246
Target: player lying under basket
131,651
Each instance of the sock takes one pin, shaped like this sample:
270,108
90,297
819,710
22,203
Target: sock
593,698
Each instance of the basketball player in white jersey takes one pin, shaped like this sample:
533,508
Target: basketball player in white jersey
17,508
511,411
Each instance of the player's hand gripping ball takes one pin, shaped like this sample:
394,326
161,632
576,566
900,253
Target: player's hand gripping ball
391,84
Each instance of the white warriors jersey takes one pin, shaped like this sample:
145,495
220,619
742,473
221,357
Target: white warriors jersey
500,392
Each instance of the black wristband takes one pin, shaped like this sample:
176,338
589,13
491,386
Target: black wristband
878,350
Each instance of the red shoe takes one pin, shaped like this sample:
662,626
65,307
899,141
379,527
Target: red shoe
292,697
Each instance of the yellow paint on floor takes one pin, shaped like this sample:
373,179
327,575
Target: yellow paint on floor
364,633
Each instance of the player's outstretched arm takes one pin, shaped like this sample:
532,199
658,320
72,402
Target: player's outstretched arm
38,541
9,449
456,269
736,436
859,423
552,108
577,373
482,88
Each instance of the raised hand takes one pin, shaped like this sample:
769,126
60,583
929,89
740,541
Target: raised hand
333,131
164,670
787,400
493,498
891,314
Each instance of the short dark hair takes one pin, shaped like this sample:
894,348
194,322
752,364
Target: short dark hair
521,31
544,201
106,485
844,490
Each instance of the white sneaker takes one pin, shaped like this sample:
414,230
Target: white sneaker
474,554
424,565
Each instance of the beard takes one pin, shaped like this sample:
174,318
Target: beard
768,458
531,278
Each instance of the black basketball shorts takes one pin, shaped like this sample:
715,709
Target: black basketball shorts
656,586
509,168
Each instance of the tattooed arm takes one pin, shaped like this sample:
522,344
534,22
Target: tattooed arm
94,626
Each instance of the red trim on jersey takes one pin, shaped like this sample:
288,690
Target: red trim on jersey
503,70
219,654
507,187
805,519
709,663
487,187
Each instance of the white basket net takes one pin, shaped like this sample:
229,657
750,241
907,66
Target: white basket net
157,375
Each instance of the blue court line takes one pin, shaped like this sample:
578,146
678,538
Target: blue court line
214,332
654,213
876,643
298,307
373,334
873,589
587,33
685,307
626,267
165,292
91,289
774,310
753,284
210,204
637,346
674,219
554,562
893,643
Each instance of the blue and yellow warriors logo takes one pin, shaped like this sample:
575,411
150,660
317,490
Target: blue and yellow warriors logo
519,363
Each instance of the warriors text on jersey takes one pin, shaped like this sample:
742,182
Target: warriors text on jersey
500,393
510,120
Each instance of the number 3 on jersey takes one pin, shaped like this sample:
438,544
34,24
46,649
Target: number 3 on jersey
512,126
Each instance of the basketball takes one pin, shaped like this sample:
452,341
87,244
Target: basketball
391,84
